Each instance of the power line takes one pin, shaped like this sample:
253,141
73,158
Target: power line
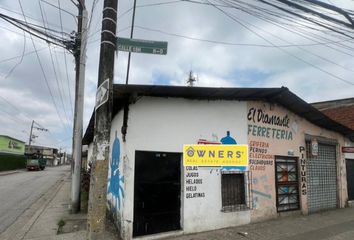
21,59
66,65
279,48
233,43
306,18
251,11
18,24
301,48
44,17
60,9
43,73
20,56
28,16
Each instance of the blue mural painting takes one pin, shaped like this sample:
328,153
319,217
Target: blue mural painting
116,180
227,140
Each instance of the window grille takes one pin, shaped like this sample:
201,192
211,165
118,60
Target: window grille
236,191
287,184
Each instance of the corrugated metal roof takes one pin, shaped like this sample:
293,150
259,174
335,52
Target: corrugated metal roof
282,96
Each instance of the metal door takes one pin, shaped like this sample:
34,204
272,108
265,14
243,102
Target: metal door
350,178
157,191
287,183
321,178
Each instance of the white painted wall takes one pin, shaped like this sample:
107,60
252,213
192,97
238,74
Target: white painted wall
158,124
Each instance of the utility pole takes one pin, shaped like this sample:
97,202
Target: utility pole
30,137
103,114
80,60
131,36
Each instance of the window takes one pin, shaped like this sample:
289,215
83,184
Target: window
235,191
287,184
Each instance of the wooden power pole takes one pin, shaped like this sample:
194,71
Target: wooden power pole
103,114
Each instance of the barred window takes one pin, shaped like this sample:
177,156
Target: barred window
235,191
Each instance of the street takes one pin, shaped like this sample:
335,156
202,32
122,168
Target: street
20,190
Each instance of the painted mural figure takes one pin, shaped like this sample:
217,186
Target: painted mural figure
116,180
228,139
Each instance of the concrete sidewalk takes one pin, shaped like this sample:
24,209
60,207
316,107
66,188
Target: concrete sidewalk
332,225
40,221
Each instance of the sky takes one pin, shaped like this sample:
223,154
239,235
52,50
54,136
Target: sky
222,46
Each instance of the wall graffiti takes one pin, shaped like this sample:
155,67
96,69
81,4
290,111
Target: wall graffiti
116,180
303,171
263,194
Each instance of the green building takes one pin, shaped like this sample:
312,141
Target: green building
12,153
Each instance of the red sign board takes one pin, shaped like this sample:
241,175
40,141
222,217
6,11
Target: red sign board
348,149
206,142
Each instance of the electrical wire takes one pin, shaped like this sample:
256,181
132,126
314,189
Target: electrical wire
233,43
21,59
29,17
63,10
66,65
60,91
44,75
279,48
20,56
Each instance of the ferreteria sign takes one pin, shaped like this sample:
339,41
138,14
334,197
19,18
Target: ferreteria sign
215,155
266,125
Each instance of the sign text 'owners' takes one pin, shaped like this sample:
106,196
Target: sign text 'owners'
215,155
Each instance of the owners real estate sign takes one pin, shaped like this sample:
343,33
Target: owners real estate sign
215,155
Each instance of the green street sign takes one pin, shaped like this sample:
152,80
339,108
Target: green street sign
141,46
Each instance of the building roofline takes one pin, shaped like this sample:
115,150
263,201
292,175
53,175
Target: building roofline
37,146
12,138
338,103
124,94
334,100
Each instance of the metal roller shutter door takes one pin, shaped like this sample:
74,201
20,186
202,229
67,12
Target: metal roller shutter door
321,178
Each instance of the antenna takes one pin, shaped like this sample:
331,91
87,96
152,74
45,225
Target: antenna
191,79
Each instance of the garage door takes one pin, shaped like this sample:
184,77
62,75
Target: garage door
322,178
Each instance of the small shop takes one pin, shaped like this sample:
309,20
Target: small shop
294,162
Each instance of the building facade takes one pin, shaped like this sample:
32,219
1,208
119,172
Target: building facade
50,154
12,153
342,111
295,162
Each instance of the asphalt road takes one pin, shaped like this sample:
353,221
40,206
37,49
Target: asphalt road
19,191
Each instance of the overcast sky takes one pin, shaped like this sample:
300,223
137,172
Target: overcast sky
223,46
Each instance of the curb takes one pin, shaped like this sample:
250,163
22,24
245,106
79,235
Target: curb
9,172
